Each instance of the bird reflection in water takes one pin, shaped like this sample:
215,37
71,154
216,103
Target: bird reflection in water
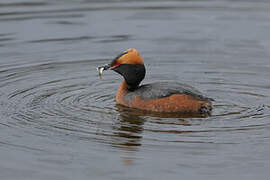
129,128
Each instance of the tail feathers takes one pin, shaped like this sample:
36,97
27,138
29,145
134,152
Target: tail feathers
206,108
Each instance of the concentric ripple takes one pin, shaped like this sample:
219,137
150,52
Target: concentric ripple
66,101
69,98
59,120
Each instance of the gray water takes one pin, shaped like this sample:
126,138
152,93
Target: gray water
59,120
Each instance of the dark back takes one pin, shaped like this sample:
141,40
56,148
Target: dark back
164,89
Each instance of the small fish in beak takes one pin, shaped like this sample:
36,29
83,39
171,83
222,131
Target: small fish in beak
100,69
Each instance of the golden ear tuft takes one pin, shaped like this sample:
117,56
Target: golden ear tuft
132,56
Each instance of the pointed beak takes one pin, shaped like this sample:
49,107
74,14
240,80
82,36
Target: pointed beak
110,66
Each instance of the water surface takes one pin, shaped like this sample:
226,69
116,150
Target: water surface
59,120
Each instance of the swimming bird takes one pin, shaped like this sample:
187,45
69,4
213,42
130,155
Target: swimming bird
169,97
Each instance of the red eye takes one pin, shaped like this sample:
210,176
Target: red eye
115,65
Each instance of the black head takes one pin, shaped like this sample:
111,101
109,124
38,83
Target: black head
133,74
130,65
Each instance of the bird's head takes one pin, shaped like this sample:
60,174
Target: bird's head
130,65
